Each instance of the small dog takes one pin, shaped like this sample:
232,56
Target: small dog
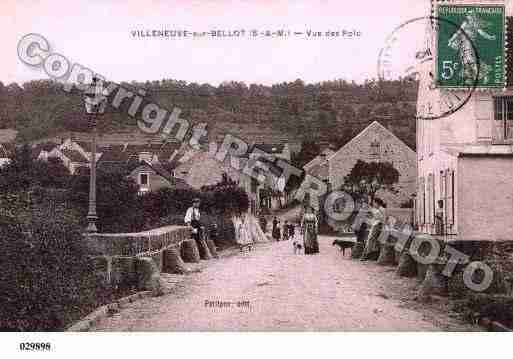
343,245
298,247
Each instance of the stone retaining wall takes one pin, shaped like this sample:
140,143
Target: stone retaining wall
136,244
497,255
121,259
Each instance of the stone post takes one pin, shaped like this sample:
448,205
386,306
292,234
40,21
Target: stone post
386,255
357,251
212,247
173,263
407,266
148,276
204,252
123,273
434,282
190,252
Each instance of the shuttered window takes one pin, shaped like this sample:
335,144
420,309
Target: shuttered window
450,197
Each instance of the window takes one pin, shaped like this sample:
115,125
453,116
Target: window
430,199
422,201
450,198
433,199
420,139
503,118
375,147
143,179
443,194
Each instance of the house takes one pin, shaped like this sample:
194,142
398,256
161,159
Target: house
75,154
114,159
41,151
318,166
200,168
8,135
6,152
82,147
269,193
152,177
71,159
276,150
465,159
154,152
374,144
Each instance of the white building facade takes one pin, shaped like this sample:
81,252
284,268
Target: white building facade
464,159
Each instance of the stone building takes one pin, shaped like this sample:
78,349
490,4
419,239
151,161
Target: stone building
152,177
318,166
6,152
374,144
465,159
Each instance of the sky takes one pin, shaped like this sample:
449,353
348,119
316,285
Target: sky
98,34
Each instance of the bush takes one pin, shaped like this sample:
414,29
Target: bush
47,280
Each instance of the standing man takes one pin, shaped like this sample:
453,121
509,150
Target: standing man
192,218
276,229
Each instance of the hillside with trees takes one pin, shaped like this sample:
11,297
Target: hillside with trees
331,111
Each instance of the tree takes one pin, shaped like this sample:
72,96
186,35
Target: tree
367,178
118,203
24,172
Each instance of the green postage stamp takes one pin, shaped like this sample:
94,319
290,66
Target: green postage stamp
470,46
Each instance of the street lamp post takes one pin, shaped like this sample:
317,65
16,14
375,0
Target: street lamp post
95,102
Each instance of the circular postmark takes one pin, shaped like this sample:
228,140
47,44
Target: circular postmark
415,61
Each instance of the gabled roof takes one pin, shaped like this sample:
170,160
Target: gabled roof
373,126
74,155
113,154
42,147
6,150
86,146
161,171
45,146
328,152
166,150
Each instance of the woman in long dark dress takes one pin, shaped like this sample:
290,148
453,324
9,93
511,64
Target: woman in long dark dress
276,229
309,228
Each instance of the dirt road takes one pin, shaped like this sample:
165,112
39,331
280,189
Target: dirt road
273,289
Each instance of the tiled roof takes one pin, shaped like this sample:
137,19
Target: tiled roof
46,146
86,146
271,148
163,172
165,151
40,147
74,156
6,150
113,154
136,149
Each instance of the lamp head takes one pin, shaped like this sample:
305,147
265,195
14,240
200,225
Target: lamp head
95,100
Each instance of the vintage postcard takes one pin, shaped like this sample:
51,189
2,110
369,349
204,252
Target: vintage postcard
256,166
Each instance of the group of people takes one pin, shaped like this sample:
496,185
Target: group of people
283,233
308,225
